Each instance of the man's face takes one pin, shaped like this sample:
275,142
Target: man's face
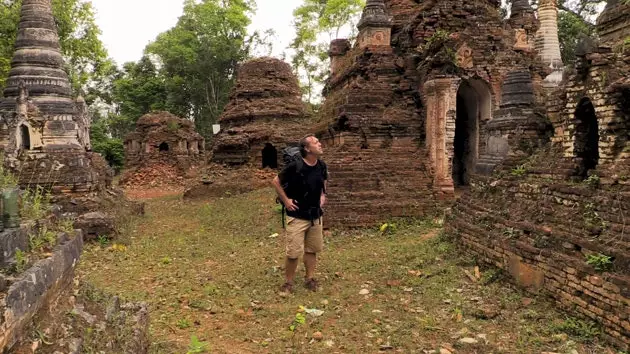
314,146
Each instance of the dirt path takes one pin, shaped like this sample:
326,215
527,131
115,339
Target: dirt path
212,270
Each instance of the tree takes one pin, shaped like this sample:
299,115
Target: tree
112,149
316,23
135,91
86,57
198,57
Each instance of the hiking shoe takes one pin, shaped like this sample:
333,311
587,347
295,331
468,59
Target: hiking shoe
287,288
311,284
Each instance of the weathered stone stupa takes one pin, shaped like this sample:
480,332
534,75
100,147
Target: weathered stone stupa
265,114
45,131
547,42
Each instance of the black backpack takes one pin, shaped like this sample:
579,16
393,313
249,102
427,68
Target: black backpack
289,155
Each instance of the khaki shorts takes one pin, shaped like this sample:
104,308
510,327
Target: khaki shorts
303,237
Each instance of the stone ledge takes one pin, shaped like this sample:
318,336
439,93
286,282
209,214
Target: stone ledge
10,240
37,287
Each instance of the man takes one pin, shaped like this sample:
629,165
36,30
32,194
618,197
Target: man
304,196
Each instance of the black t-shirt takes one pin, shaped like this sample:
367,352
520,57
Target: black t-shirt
305,187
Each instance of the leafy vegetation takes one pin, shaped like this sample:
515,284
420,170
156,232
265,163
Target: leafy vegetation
196,346
519,171
316,23
35,203
600,262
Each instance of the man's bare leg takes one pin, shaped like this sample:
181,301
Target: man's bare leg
310,262
290,267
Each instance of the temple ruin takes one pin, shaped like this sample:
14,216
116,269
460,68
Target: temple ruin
162,141
554,217
409,106
265,114
45,131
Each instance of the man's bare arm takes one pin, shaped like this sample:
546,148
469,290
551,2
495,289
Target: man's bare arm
283,196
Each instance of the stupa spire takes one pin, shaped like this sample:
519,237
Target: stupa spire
37,60
547,43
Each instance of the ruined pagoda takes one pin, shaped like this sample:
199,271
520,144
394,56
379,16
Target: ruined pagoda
45,131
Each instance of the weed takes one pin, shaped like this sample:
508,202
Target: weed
44,238
172,126
21,261
183,324
541,241
592,181
592,218
298,320
65,225
35,203
518,171
7,179
166,260
600,262
585,330
491,275
102,240
438,38
510,233
196,346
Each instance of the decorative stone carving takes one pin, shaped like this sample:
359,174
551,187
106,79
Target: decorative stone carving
521,40
464,57
375,25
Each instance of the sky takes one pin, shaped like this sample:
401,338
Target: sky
129,25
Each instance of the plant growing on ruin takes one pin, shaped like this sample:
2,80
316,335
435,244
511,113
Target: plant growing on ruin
21,261
592,217
65,225
519,171
510,233
592,181
172,126
437,39
43,239
7,179
600,262
35,203
585,330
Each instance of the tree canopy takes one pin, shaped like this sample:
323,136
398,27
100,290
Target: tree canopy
316,23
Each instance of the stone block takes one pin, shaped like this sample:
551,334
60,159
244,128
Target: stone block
10,241
526,275
37,287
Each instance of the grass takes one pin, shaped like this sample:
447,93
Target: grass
210,273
